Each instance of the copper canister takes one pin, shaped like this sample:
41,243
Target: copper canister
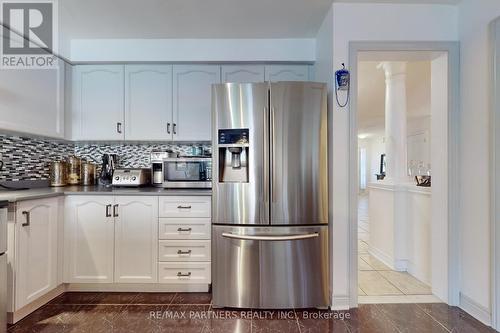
88,174
74,169
58,173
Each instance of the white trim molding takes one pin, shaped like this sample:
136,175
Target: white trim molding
495,171
475,310
340,303
451,280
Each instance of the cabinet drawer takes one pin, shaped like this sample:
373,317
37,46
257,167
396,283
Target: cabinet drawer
184,228
184,273
195,250
199,206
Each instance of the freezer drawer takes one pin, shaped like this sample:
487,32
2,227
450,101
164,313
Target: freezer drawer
270,267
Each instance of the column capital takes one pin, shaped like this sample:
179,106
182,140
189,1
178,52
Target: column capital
393,68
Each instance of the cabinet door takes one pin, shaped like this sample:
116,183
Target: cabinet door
242,73
136,239
89,239
148,102
36,240
276,73
32,101
98,102
193,101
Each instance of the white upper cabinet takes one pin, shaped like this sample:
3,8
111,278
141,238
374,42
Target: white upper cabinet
32,101
98,97
276,73
148,102
193,101
242,73
136,239
36,245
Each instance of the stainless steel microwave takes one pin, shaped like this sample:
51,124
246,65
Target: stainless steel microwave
183,172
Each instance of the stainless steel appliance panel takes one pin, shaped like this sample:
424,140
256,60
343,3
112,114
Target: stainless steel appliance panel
242,106
299,158
3,266
270,267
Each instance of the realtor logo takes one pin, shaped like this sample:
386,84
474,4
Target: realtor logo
29,34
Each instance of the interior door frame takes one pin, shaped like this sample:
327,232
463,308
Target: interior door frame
494,171
452,48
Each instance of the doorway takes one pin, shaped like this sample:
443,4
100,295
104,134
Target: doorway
394,276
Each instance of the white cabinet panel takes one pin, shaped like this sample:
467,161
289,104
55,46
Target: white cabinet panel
194,206
98,95
184,250
36,243
192,101
148,102
185,228
32,101
184,272
89,239
276,73
136,239
242,73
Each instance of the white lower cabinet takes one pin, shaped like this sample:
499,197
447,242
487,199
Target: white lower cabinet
136,231
89,237
34,258
111,239
185,272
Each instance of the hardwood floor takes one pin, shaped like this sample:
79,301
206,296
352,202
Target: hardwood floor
192,312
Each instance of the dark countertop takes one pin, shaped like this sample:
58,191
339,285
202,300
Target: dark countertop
46,192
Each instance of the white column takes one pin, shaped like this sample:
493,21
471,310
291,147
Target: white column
395,121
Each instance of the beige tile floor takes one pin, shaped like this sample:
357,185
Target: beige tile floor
374,277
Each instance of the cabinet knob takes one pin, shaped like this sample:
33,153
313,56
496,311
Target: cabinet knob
180,274
119,127
168,128
175,128
108,210
27,215
115,211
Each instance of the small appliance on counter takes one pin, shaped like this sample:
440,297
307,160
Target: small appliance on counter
187,172
107,169
88,173
157,165
132,177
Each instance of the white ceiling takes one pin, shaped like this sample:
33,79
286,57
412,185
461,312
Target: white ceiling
371,94
100,19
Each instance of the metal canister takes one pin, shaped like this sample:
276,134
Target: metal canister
74,169
58,173
88,176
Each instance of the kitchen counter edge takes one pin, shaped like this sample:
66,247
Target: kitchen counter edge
41,193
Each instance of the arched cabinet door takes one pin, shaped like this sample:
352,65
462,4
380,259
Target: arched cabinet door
136,239
275,73
242,73
36,249
148,102
89,239
192,101
98,102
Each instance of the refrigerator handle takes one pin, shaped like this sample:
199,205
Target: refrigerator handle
273,142
265,149
271,238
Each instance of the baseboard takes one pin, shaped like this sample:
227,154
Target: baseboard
137,287
401,265
475,310
418,273
381,256
341,302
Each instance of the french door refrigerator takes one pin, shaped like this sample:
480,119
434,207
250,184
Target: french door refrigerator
270,195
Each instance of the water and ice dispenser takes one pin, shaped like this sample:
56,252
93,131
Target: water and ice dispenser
233,155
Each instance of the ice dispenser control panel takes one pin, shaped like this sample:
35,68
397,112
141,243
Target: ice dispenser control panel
234,159
233,136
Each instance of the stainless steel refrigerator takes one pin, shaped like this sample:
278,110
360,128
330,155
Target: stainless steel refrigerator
270,195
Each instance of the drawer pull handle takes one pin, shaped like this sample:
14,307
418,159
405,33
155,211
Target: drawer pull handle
180,274
183,207
184,229
183,252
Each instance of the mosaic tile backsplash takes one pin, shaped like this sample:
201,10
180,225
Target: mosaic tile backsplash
28,159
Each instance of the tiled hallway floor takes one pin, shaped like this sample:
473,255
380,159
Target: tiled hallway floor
187,313
376,281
